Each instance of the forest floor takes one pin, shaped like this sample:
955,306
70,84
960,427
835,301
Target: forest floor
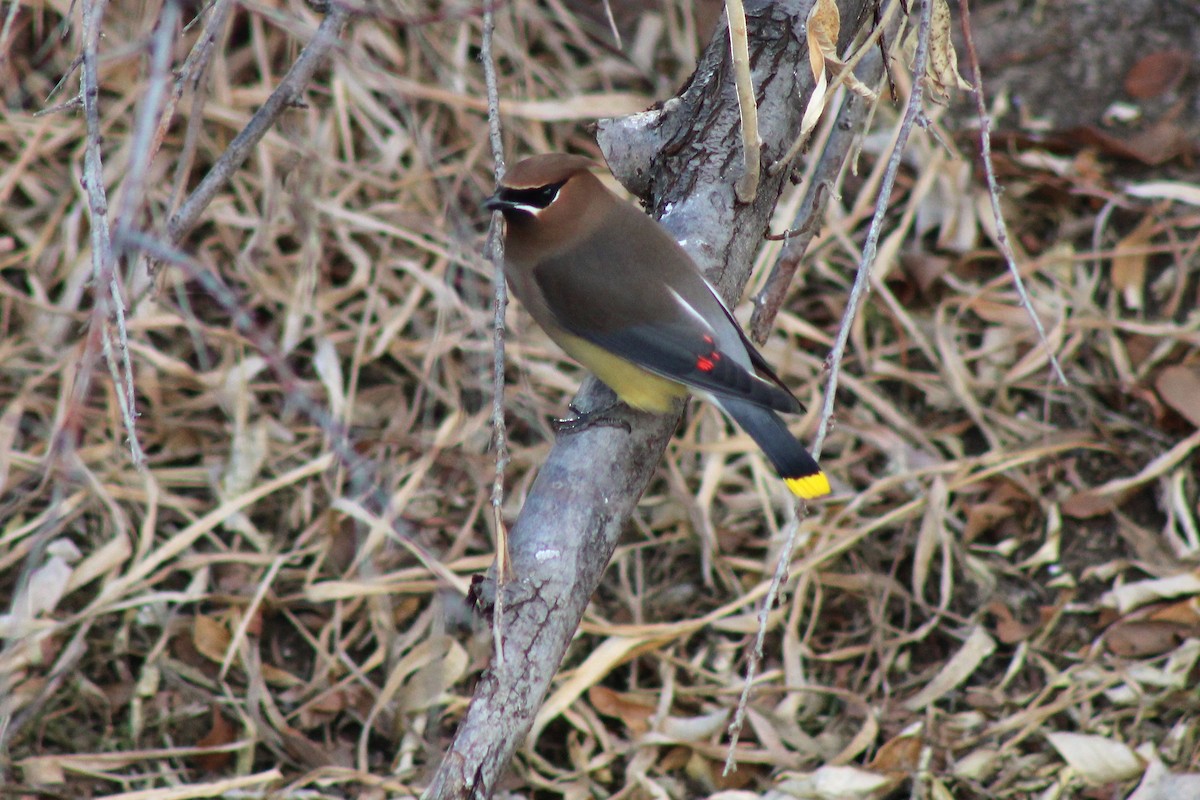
1001,599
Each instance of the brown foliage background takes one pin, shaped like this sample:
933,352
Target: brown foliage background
1007,561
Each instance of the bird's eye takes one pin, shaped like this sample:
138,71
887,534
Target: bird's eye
538,197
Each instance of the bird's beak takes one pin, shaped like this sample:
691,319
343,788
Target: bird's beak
495,203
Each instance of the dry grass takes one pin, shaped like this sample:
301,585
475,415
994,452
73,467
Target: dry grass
1007,560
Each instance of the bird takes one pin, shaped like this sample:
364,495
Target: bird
619,295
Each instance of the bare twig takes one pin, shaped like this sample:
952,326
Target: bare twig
361,470
734,729
848,127
782,565
855,109
190,72
285,95
864,270
844,73
612,24
6,31
912,112
499,304
739,50
989,171
143,147
109,300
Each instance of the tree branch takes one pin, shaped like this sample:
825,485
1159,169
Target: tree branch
285,95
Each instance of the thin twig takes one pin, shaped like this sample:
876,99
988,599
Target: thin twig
109,299
142,149
756,655
285,95
911,113
499,304
739,49
844,72
864,270
846,130
194,68
7,30
612,24
989,171
362,470
785,555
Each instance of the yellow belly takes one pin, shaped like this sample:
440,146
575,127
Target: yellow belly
634,385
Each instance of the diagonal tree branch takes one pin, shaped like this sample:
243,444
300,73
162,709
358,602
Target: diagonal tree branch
289,92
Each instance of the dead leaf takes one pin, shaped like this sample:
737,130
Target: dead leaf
942,72
220,733
1129,263
42,592
633,712
1165,786
1166,190
211,638
322,708
695,728
1157,73
328,365
427,672
900,754
1157,143
1007,314
1129,596
236,578
1097,759
279,678
312,754
675,758
42,771
1184,612
1140,638
1162,141
842,783
982,517
605,657
978,646
108,557
1179,387
824,24
1088,504
924,268
822,29
1008,629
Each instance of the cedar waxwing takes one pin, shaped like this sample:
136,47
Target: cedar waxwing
619,295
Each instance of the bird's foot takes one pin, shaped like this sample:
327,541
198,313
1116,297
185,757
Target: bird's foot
608,416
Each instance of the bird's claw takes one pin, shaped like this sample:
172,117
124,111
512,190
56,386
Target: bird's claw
607,417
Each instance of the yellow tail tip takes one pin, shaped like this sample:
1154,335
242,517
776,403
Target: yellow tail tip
809,486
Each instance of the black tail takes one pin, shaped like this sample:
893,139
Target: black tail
793,463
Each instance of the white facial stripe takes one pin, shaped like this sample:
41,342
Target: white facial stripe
534,210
